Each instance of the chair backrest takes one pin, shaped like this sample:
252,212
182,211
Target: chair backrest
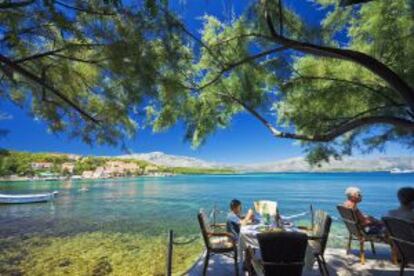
350,219
321,229
204,227
266,206
402,234
282,253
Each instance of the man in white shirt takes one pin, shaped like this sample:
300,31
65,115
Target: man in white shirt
406,209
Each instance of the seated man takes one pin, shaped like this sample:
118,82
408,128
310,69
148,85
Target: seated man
406,209
371,224
234,218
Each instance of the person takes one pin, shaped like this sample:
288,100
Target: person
234,218
406,210
370,224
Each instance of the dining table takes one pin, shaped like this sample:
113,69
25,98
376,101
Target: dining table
248,238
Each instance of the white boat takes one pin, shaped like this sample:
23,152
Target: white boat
396,170
27,198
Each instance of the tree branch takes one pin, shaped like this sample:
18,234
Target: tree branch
85,10
89,61
22,71
372,64
53,52
13,5
37,56
230,66
280,16
356,83
218,43
330,135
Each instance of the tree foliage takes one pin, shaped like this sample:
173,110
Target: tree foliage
20,163
345,83
86,67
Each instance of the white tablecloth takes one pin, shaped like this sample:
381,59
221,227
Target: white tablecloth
248,237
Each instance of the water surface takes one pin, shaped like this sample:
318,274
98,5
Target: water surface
119,226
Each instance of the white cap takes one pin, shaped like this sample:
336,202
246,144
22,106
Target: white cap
350,191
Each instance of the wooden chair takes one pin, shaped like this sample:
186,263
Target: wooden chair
357,232
216,242
282,253
402,236
318,238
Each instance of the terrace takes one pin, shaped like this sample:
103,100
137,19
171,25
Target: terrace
339,263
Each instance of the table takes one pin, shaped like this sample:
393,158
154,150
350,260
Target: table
248,238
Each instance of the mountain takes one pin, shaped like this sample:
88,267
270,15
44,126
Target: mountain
162,159
299,164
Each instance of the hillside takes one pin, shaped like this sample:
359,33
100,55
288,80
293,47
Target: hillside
351,164
15,164
168,160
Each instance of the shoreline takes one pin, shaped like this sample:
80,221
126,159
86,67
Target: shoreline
30,179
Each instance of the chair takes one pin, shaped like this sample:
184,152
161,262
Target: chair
266,206
216,242
318,238
402,236
282,253
357,232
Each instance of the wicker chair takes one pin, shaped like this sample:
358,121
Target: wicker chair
402,236
318,238
216,242
357,232
282,253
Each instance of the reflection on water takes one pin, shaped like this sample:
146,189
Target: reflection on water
103,216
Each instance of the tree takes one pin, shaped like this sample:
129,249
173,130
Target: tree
85,67
91,68
345,84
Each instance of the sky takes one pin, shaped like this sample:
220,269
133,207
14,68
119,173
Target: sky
245,141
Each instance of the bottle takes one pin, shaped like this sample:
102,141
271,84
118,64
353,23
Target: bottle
265,213
278,219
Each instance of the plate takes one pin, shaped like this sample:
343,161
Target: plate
267,229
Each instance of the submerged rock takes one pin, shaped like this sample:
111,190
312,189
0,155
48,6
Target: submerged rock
65,263
103,267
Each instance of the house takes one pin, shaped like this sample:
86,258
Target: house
87,174
41,165
151,169
120,168
68,167
100,172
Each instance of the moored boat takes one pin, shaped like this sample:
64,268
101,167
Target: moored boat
26,198
396,170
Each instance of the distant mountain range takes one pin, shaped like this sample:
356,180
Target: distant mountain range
297,164
351,164
162,159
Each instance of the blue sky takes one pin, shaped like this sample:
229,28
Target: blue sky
245,141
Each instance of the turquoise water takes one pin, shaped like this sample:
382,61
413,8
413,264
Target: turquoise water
118,227
152,205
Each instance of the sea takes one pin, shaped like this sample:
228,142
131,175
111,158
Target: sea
119,226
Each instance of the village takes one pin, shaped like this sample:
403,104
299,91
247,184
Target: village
77,167
110,169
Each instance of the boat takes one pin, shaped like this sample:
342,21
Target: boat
26,198
396,170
